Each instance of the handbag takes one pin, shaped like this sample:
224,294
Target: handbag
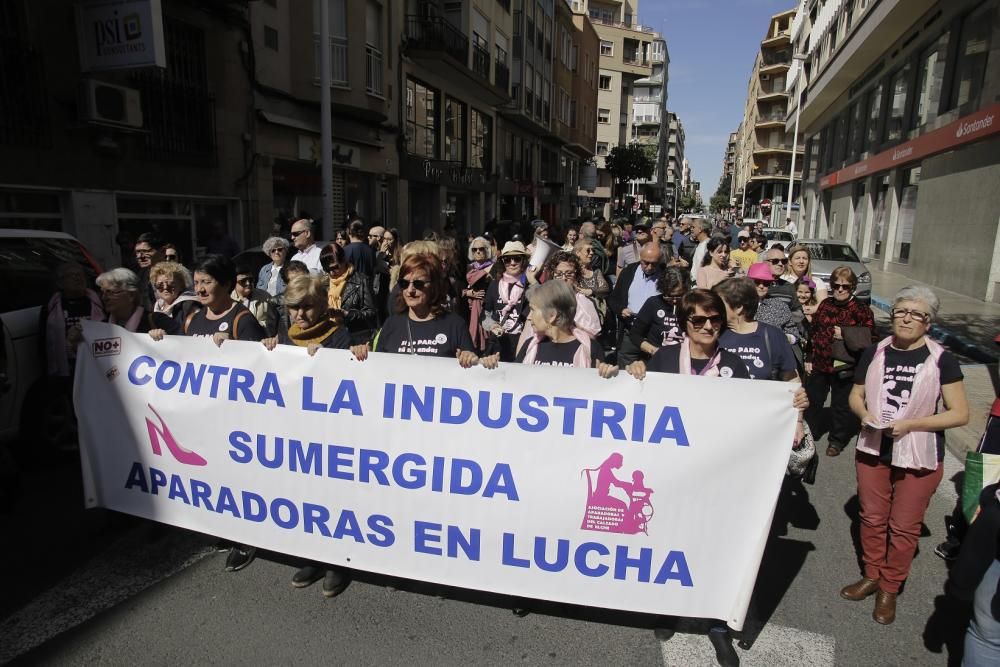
802,456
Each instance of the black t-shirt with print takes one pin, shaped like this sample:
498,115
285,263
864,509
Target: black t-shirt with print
239,323
900,368
753,349
560,354
668,360
656,324
443,336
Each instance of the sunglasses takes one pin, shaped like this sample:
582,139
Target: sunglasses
165,287
842,286
277,249
916,315
511,260
478,249
698,321
763,283
777,261
296,234
418,285
243,281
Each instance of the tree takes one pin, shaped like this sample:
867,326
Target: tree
631,162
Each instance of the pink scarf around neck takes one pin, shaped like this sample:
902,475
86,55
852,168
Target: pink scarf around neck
711,370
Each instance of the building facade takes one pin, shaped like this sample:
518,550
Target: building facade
673,184
900,114
764,145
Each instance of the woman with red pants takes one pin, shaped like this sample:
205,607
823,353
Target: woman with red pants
898,390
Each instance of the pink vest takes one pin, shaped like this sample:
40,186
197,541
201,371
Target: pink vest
916,449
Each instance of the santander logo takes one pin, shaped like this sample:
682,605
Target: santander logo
965,129
185,456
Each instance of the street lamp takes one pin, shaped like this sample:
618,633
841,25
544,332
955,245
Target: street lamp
795,137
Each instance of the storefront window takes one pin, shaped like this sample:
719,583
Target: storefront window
30,210
421,123
454,130
840,141
856,133
480,140
874,115
899,88
932,63
973,52
907,216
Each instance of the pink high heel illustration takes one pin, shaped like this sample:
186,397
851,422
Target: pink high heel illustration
182,455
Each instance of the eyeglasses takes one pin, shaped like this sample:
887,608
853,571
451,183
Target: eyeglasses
418,285
165,287
478,249
512,260
777,261
564,274
296,234
842,286
763,283
698,321
916,315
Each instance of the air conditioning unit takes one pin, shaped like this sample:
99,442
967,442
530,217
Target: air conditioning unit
765,77
109,104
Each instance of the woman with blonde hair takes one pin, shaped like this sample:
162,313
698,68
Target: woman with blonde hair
800,268
175,298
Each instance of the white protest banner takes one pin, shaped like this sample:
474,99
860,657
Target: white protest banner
529,481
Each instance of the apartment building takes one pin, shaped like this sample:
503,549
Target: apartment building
649,113
675,161
899,110
627,55
729,168
764,145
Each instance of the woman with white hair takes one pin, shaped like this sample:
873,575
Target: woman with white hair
477,279
269,278
122,297
557,341
907,391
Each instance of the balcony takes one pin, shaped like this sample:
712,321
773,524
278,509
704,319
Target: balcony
646,119
647,99
436,34
772,95
777,148
338,60
481,61
502,75
373,71
779,172
775,119
780,38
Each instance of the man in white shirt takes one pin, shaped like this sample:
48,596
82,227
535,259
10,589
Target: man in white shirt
702,232
791,228
308,252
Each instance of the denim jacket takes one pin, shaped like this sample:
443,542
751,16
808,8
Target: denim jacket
264,277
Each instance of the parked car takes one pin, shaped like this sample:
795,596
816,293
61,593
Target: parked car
827,255
774,236
28,259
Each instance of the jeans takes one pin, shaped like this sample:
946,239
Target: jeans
893,503
982,641
844,424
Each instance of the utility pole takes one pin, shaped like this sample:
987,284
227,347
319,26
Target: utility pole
326,123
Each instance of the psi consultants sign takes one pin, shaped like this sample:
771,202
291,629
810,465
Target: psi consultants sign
528,481
116,34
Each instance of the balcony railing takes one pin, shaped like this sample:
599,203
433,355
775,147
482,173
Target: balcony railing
338,60
778,58
501,74
373,70
642,99
619,24
777,116
434,33
481,61
646,118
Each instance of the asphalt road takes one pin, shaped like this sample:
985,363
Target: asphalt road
92,587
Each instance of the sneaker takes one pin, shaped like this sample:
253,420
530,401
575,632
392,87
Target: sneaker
307,576
239,557
948,549
334,582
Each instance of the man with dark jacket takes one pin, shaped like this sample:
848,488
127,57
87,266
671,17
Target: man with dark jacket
357,251
636,283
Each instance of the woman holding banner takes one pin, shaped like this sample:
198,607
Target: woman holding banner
899,386
122,297
504,306
313,326
557,341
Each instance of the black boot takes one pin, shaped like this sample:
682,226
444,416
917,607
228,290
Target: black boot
725,654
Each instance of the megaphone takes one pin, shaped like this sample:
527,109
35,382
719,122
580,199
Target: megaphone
543,248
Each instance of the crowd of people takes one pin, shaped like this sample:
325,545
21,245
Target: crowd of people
690,296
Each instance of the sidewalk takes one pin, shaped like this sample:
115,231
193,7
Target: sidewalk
967,327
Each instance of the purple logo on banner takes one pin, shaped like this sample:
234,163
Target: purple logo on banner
615,505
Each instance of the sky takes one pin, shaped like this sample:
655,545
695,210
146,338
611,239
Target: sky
712,46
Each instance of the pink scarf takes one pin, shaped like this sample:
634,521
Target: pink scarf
511,290
580,360
916,449
477,271
133,320
57,354
711,368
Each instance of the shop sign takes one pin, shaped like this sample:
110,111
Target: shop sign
344,156
443,172
117,34
982,124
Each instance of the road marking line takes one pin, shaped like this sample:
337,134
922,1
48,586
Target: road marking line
777,646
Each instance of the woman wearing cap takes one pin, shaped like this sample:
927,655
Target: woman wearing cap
269,277
907,391
477,279
743,255
842,326
771,309
421,323
504,306
800,268
349,294
715,266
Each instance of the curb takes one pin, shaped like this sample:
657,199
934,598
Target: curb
948,338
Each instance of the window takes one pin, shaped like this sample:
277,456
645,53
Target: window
973,51
899,88
602,148
932,63
338,42
874,116
572,113
454,130
604,82
373,48
607,48
856,132
604,116
840,140
529,83
907,216
23,95
421,120
270,38
480,141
